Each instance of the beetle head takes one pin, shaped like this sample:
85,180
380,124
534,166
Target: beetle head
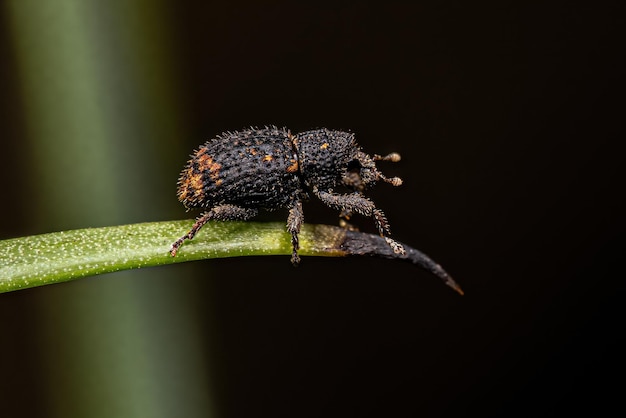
362,172
328,158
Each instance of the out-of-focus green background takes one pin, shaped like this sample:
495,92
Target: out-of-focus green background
507,118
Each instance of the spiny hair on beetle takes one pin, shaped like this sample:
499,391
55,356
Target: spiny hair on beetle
237,173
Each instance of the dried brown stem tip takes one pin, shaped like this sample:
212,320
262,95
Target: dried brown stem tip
358,243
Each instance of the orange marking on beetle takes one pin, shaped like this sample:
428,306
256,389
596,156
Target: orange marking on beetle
182,194
268,158
293,167
324,145
201,152
206,163
197,185
191,186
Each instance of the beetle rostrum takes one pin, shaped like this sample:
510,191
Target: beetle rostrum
237,173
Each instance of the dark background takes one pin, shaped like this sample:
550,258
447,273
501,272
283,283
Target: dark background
508,119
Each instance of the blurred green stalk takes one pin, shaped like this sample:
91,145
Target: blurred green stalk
95,81
57,257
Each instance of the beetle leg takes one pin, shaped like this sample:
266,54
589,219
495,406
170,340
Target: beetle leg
294,222
363,206
353,181
218,213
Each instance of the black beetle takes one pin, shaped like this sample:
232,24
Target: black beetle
237,173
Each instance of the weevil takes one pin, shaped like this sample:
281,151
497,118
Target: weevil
235,174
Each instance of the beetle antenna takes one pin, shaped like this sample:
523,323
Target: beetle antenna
394,157
394,181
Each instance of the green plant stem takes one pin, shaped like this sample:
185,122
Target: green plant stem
61,256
